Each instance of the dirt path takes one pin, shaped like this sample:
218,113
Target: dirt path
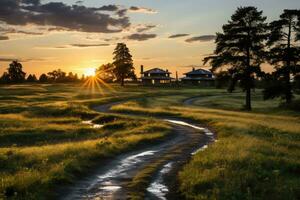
111,181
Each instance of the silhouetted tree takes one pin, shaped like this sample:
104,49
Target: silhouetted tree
222,79
123,63
71,77
31,78
284,54
15,72
43,78
240,48
297,82
5,78
76,77
57,76
83,78
106,72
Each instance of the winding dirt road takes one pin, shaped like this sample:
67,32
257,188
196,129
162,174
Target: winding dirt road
111,181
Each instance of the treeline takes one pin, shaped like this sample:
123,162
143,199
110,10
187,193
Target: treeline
119,70
15,74
247,42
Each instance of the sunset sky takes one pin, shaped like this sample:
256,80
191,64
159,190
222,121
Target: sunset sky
75,35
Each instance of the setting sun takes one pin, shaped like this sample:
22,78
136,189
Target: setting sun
90,71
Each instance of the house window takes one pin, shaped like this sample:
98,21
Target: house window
164,81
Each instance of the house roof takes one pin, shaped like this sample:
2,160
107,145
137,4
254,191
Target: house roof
157,78
197,79
156,71
199,72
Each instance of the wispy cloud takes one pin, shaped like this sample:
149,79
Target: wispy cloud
178,35
142,10
89,45
11,58
145,27
70,46
202,38
3,37
140,37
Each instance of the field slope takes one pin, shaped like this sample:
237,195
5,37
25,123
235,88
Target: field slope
44,142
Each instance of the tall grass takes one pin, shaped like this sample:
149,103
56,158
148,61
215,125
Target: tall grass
256,155
44,144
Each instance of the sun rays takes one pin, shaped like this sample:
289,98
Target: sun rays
95,84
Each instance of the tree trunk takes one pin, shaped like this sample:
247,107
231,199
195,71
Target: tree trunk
288,87
248,76
122,81
248,99
288,92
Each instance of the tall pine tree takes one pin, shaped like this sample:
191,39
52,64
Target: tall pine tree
123,63
240,48
284,54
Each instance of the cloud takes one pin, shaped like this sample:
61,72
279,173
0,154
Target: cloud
202,38
121,12
179,35
15,31
58,14
89,45
29,33
3,37
32,2
10,59
70,46
6,59
109,8
141,37
142,10
111,39
146,27
57,29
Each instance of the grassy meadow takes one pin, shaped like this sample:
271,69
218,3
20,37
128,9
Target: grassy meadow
256,155
44,142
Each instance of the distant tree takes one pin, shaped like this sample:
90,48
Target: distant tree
240,48
123,63
57,76
284,54
5,78
31,78
43,78
53,75
15,72
83,78
70,77
76,77
106,72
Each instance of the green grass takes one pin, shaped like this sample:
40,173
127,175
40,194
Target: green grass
257,154
44,143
